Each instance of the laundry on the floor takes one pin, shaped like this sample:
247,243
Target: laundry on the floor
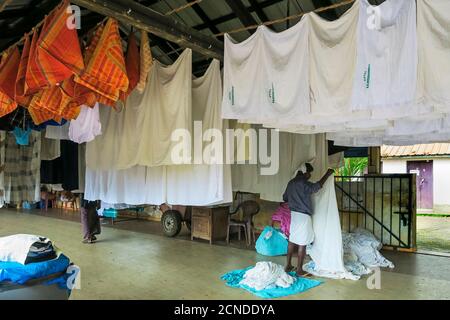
16,248
268,280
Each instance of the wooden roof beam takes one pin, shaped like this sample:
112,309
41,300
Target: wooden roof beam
141,17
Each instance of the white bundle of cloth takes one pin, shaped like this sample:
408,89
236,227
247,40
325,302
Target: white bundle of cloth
140,135
266,275
86,126
361,252
15,248
266,76
183,184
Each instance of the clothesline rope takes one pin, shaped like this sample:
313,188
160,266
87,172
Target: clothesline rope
179,9
288,18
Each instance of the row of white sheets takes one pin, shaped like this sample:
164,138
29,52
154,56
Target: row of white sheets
374,72
131,161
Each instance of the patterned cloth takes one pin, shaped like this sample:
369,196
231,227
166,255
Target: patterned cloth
146,61
22,169
35,79
20,96
132,65
58,52
105,72
8,75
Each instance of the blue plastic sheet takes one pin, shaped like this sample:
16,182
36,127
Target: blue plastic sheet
300,285
18,273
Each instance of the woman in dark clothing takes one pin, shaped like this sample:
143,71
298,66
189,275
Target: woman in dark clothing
90,221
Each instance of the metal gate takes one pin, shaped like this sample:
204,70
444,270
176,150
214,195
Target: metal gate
383,204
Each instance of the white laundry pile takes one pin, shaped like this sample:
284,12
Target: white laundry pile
15,248
375,74
140,135
86,126
184,184
361,252
267,275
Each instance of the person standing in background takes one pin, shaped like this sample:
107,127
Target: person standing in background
90,221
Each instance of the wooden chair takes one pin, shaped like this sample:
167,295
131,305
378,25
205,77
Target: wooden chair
249,209
68,198
47,197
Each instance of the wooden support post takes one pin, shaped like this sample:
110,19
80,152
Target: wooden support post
374,160
144,18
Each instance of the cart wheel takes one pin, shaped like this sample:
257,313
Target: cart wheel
171,222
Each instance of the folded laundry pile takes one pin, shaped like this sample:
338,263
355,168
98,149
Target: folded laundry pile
24,257
268,280
41,250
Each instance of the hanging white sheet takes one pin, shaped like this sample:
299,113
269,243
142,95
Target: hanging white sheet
266,76
433,34
141,133
327,250
203,184
86,126
386,68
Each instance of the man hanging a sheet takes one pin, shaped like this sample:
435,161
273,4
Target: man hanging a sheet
298,196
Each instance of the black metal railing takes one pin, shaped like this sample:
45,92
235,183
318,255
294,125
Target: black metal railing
382,204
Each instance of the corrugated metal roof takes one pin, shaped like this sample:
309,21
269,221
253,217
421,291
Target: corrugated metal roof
432,149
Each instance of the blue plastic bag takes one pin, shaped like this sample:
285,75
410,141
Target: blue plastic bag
272,242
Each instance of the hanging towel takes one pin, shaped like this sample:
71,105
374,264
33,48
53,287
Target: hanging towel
105,72
386,67
8,74
132,65
22,169
58,49
146,61
22,136
86,126
50,148
58,132
20,96
141,133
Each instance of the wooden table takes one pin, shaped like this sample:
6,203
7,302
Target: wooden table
209,223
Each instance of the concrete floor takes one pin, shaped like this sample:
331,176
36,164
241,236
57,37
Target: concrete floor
134,265
433,234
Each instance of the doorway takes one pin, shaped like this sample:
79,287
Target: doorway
424,183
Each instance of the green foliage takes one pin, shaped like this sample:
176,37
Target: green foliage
353,167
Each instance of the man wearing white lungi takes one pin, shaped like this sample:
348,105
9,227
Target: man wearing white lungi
298,196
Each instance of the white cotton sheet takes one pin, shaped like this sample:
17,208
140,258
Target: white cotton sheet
86,126
327,249
141,133
386,68
433,34
203,184
189,184
15,248
266,76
